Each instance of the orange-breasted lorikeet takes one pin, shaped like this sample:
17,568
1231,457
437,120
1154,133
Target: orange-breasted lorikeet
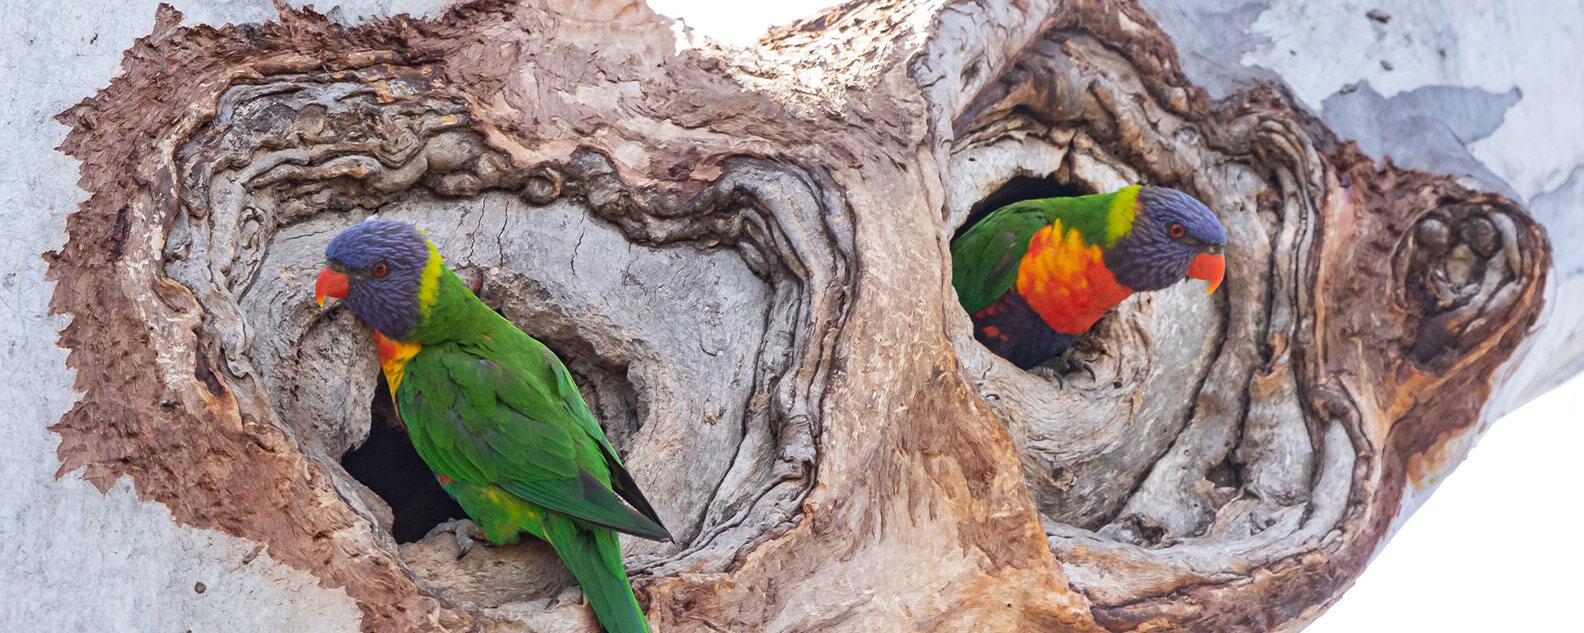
493,412
1035,275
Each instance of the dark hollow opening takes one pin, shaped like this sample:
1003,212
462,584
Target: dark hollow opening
388,465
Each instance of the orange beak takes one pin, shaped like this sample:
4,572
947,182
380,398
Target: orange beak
1210,267
330,284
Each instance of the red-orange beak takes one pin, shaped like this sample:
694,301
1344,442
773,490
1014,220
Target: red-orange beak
1210,267
330,284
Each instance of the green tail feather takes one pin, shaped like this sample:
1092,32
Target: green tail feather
594,556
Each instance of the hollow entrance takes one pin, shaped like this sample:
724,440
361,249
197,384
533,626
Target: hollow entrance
387,463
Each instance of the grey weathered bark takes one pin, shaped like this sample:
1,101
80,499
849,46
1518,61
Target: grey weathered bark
743,256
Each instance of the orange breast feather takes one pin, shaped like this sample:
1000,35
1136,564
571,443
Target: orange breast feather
393,357
1066,281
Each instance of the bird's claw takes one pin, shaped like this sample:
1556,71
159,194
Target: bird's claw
1062,366
466,533
1050,372
1074,364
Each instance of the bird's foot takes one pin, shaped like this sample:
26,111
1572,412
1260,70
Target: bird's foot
1061,367
466,533
1047,371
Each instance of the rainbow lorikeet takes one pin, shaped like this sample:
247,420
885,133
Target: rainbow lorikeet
493,413
1035,275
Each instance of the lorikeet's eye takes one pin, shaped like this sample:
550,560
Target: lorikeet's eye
1177,230
379,269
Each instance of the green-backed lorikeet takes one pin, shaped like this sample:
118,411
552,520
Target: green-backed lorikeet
1035,275
493,412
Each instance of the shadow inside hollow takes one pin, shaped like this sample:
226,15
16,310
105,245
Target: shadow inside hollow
388,465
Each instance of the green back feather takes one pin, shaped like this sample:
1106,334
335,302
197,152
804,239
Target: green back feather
486,404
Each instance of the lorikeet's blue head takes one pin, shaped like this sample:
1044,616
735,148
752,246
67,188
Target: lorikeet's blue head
1173,236
378,267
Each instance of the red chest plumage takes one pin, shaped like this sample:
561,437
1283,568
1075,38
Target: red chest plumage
1065,280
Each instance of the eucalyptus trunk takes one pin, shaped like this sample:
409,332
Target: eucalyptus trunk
743,256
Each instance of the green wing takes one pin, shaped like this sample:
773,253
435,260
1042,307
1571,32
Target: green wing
505,412
985,257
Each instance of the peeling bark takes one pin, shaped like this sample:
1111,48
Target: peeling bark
743,256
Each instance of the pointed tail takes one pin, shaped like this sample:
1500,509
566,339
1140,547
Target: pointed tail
594,556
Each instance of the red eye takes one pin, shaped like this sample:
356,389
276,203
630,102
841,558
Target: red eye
378,269
1177,231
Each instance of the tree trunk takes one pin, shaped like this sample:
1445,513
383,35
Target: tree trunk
742,255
